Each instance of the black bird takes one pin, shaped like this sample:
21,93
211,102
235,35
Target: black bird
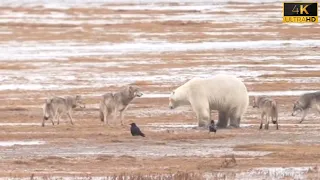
212,127
135,131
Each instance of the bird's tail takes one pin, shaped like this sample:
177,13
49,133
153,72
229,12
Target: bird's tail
142,135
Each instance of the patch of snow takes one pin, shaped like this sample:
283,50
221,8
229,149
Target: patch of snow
14,51
24,143
19,124
274,173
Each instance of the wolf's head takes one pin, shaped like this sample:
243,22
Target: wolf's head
134,91
78,102
297,108
47,108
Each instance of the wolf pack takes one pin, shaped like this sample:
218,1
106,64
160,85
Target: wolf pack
113,103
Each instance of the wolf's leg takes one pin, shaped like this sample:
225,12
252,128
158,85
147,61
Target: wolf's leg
261,122
52,121
305,112
108,114
70,117
101,114
105,114
115,110
51,116
121,116
266,126
318,107
58,116
43,122
277,125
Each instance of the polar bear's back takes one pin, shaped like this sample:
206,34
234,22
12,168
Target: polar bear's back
222,91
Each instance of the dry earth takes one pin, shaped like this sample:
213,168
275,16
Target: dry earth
90,49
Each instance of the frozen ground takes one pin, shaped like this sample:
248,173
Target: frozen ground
92,47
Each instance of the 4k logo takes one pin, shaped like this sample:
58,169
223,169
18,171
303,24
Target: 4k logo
300,13
303,9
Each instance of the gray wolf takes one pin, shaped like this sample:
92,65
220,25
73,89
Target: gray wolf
212,127
268,108
55,107
305,102
112,103
224,93
135,130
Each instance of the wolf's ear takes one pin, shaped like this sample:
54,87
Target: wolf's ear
131,89
255,98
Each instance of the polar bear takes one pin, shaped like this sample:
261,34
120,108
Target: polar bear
224,93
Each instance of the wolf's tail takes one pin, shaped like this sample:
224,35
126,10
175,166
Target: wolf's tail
274,109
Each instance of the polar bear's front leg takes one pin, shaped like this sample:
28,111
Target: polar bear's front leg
204,118
202,112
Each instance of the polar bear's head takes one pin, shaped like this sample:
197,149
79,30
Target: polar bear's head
173,100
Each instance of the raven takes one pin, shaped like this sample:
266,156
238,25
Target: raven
212,127
135,131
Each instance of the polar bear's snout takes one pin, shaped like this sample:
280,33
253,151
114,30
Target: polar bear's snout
171,105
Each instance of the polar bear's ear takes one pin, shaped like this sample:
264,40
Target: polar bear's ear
172,92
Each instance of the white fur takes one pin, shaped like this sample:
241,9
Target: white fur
224,93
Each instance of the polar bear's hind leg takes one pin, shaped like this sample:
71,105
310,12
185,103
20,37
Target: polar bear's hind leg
223,119
234,121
